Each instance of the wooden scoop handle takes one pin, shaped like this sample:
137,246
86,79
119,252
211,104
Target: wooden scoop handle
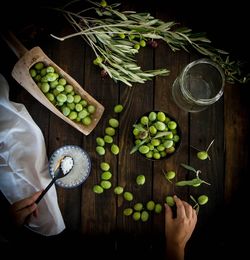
15,45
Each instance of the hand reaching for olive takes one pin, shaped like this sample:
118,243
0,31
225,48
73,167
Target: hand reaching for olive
178,230
21,210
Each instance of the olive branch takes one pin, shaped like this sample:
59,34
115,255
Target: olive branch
116,37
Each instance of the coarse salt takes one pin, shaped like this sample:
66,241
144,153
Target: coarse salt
67,164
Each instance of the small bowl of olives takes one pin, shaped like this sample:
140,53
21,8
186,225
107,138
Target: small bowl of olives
156,135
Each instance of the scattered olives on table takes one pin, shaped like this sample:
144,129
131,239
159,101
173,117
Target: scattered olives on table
128,196
156,135
118,190
61,94
105,166
170,201
97,189
127,212
140,179
118,108
150,205
144,216
158,208
203,199
169,175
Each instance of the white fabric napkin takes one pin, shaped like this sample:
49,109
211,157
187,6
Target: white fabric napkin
24,163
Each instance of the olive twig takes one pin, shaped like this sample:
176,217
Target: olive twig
203,155
117,36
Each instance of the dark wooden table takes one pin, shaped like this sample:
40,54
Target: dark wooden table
100,216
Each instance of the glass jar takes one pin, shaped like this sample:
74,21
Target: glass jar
200,84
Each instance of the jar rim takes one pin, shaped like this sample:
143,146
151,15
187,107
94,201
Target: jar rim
186,92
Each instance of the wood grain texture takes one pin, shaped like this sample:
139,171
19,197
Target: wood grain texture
99,219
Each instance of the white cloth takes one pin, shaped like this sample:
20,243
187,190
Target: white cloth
24,163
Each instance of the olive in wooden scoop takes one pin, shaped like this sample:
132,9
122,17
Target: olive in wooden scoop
20,72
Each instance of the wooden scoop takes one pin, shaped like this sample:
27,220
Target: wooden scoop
20,72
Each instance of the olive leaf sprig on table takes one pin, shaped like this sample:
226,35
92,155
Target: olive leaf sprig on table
195,182
115,37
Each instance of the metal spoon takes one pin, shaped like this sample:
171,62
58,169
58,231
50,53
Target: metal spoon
59,173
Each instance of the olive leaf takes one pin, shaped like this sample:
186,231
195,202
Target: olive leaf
196,205
161,134
136,147
194,182
188,167
139,127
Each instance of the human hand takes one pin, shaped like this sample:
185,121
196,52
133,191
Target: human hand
21,210
179,230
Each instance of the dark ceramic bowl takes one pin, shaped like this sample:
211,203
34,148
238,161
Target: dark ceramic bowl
167,144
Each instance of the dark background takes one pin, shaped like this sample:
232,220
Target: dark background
226,25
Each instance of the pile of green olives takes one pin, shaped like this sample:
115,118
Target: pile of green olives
156,135
61,94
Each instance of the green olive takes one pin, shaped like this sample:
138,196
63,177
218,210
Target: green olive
103,3
100,141
144,120
158,208
136,215
140,179
98,189
32,73
138,206
91,109
172,125
152,116
170,175
160,126
86,120
113,122
110,131
39,66
128,196
150,205
170,201
161,116
118,108
108,139
144,149
118,190
100,150
137,46
106,176
202,155
127,211
144,216
142,43
115,149
203,199
105,166
106,184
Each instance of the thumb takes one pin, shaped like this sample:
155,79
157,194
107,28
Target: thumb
168,213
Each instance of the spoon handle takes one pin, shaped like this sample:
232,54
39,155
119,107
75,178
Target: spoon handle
47,188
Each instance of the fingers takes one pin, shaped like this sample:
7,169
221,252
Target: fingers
26,202
180,207
168,213
22,216
188,209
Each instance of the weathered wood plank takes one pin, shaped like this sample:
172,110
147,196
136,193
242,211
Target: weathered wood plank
99,211
61,133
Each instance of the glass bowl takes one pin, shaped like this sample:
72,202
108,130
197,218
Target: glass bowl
80,170
156,135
